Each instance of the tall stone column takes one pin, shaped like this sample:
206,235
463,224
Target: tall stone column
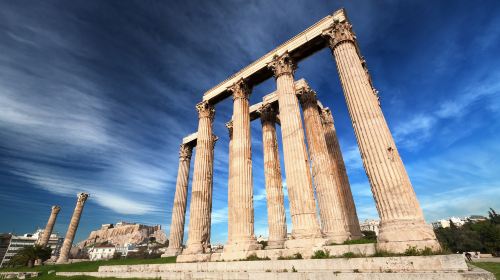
50,226
333,224
201,195
402,222
274,186
298,176
73,226
230,187
340,173
180,201
240,206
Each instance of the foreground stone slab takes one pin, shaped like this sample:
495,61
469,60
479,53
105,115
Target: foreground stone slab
441,267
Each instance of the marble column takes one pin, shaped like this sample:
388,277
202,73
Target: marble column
201,194
402,222
240,206
180,201
44,240
298,176
274,187
333,223
340,173
230,179
73,226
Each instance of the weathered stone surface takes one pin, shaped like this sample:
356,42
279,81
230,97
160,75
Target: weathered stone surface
73,226
180,202
402,220
50,226
305,224
123,234
333,222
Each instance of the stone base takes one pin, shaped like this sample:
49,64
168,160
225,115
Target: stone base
250,245
306,243
172,252
337,239
444,267
277,244
189,258
397,236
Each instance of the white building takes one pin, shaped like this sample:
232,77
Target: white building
370,225
126,249
15,244
55,241
445,223
102,252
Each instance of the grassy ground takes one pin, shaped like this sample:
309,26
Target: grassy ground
85,267
490,266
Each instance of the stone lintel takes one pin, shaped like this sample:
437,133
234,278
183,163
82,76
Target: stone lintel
299,47
190,139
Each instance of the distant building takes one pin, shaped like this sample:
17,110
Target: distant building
15,244
126,249
55,241
102,252
445,223
4,245
370,225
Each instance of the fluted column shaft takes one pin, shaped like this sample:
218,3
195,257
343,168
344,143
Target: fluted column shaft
180,201
230,186
201,195
240,206
333,224
274,186
340,173
298,176
50,226
73,226
402,222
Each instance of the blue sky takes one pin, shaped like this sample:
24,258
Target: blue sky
95,96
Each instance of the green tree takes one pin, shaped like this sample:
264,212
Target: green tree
27,256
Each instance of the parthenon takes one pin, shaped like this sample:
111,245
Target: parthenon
313,164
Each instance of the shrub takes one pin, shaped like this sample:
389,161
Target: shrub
254,257
320,254
297,256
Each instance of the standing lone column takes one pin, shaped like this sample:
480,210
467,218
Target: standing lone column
201,194
240,206
298,176
50,226
333,224
274,187
73,226
180,200
340,173
230,214
402,222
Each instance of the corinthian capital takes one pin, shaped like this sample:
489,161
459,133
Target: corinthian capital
240,90
282,64
205,110
229,126
267,113
326,116
82,197
185,152
56,209
308,97
339,32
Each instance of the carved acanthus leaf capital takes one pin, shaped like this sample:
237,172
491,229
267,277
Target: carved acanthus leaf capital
82,197
339,32
229,126
307,97
185,152
205,110
56,209
326,116
240,90
267,113
282,64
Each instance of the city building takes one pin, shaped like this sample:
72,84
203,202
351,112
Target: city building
55,241
102,252
370,225
15,244
126,249
445,223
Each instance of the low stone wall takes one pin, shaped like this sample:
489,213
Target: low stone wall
274,254
441,263
18,275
